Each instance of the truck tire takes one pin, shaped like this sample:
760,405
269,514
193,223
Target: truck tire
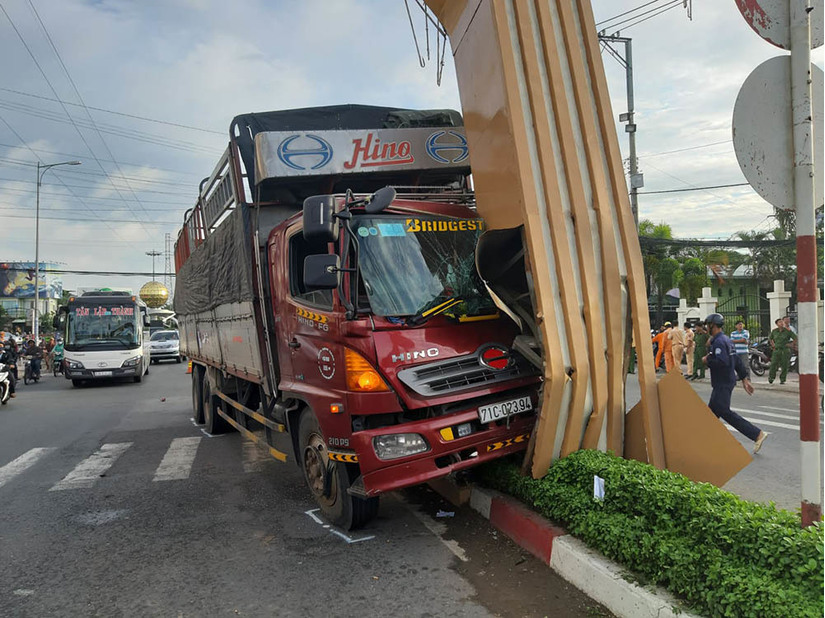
197,395
340,508
215,423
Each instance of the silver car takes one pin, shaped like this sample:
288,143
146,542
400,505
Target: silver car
164,344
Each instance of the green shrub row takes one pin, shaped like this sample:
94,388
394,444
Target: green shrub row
724,555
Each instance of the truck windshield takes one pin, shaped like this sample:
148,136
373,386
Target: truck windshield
102,327
407,263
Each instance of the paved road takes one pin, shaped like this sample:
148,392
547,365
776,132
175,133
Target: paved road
774,474
112,503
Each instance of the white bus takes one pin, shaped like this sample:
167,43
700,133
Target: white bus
106,335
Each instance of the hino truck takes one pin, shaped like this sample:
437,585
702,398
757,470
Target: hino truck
328,297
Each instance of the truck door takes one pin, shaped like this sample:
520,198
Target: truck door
306,316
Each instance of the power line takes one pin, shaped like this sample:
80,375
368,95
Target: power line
109,111
52,184
60,271
102,220
72,194
738,184
667,152
702,242
670,5
604,21
675,4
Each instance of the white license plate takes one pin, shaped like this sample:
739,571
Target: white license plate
496,411
103,374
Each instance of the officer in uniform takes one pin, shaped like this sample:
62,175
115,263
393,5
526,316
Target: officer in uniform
725,367
781,339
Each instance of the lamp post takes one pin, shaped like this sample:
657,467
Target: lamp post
153,254
36,313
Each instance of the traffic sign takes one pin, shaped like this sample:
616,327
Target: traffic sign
771,20
763,132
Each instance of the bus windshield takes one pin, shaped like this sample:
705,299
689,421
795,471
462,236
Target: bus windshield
102,327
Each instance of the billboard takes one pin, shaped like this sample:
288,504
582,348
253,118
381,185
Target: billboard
17,280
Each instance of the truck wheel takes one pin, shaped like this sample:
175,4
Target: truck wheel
328,480
197,395
215,423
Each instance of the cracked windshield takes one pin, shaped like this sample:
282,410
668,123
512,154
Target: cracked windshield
409,264
96,326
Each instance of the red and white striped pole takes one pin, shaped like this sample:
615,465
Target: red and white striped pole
807,294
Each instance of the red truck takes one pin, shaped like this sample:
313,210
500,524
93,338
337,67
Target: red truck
328,297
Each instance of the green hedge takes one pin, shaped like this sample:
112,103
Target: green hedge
724,555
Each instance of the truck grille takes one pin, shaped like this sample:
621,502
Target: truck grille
461,373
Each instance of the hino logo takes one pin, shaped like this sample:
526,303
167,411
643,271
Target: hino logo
408,356
319,153
435,147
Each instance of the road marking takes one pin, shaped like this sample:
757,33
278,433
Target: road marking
22,463
771,414
92,468
337,533
177,462
437,528
781,409
254,457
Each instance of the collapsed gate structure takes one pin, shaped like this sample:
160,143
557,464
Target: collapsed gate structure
548,176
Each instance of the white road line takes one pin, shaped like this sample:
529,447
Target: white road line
770,414
437,528
254,457
22,463
781,409
90,469
177,462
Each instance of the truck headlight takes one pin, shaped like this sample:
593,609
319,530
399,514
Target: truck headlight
396,445
131,362
73,364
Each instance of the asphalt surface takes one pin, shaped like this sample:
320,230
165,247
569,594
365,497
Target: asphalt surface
112,503
774,474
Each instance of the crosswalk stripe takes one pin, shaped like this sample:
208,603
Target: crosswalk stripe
89,470
22,463
176,464
781,409
254,457
770,414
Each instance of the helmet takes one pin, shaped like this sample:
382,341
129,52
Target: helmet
668,324
716,319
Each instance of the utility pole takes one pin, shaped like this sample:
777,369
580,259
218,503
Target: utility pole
637,180
154,254
167,267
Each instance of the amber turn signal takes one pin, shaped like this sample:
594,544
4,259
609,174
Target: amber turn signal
361,376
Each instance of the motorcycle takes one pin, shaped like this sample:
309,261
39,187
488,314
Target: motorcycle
5,383
29,374
758,359
57,365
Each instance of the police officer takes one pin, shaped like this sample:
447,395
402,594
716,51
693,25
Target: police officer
725,367
781,340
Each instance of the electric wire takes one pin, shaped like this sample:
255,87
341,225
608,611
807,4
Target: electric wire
604,21
737,184
54,92
667,152
670,4
110,111
674,5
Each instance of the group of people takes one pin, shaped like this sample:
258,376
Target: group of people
49,350
673,344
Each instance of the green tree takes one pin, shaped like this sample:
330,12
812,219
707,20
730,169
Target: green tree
694,278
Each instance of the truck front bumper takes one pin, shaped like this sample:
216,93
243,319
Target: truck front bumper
444,456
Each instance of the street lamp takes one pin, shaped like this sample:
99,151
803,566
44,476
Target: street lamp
40,174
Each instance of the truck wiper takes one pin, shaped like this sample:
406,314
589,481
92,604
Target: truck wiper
430,311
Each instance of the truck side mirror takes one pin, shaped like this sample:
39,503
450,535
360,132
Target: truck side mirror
320,223
380,200
322,272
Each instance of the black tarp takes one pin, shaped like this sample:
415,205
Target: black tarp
220,270
333,117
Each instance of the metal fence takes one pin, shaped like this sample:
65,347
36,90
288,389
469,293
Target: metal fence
752,309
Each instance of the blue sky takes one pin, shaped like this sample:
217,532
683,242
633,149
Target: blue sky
200,62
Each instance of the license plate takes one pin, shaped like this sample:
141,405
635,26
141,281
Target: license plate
496,411
103,374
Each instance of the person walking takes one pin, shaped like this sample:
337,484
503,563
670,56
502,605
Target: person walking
690,346
725,368
666,346
677,347
658,341
700,339
741,340
781,340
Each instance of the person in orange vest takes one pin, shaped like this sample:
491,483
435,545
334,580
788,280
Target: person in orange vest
658,340
667,347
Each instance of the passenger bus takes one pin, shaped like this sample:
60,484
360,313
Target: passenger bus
106,335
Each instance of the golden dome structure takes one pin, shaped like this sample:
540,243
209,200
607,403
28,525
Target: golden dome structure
154,294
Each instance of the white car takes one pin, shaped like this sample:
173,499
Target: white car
164,344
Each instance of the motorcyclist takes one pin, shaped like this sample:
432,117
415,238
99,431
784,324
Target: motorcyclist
35,353
9,357
57,353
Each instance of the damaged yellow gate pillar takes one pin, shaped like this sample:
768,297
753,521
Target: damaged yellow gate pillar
546,161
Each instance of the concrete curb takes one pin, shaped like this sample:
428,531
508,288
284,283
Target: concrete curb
592,573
